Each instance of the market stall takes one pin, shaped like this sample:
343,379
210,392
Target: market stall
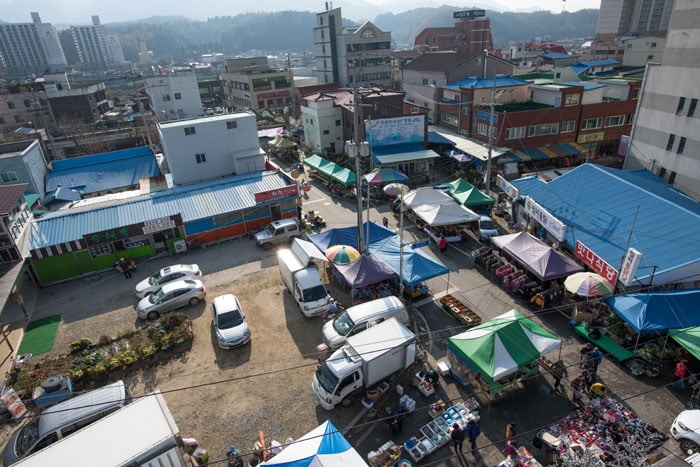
603,432
499,353
437,214
369,276
468,195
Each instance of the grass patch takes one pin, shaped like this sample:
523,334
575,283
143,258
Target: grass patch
39,335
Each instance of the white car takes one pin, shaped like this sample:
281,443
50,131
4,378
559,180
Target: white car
171,296
686,430
486,228
168,274
229,322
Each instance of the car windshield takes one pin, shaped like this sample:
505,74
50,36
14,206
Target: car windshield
156,296
270,229
326,378
487,224
230,319
315,293
154,279
343,324
27,437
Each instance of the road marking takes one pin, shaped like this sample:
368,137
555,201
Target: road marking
316,201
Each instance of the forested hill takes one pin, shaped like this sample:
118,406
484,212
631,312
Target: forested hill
291,31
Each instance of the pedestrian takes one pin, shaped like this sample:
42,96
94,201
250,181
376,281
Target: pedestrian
442,243
125,267
510,431
583,355
598,390
558,372
511,449
588,376
596,358
385,222
432,377
473,431
457,436
679,375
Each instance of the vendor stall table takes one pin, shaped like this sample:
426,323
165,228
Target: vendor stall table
460,310
386,456
522,458
605,344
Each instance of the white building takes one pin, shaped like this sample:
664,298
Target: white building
323,129
211,147
641,50
115,53
664,137
174,96
30,47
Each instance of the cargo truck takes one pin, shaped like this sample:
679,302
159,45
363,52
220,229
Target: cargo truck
304,283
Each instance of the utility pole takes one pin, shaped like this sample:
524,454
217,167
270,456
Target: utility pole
356,149
487,175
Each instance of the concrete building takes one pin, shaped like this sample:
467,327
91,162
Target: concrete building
74,106
24,162
30,48
21,104
250,83
421,78
174,96
347,55
471,34
211,147
664,138
639,51
632,17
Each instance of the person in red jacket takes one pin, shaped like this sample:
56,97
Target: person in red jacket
679,374
442,243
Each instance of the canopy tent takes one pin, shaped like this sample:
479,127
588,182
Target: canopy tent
331,169
652,312
342,175
348,236
445,214
536,256
503,345
283,143
417,266
365,271
316,162
322,446
688,338
426,195
384,176
467,194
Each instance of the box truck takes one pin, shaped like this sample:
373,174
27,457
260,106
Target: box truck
367,359
304,283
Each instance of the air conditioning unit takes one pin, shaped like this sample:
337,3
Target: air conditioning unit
180,246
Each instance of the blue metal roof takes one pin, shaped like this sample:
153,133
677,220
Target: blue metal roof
555,55
600,206
436,138
483,83
607,61
196,201
101,172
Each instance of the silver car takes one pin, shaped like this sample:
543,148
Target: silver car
229,322
171,296
167,274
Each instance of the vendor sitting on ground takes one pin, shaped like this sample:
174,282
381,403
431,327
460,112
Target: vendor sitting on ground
598,390
432,377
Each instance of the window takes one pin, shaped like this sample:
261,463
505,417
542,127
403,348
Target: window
8,177
572,99
425,81
544,129
630,119
231,125
568,127
19,118
326,132
635,93
178,96
615,120
591,123
662,172
337,123
681,104
10,105
672,178
671,140
189,131
652,45
483,129
166,98
515,132
201,158
681,145
691,107
414,110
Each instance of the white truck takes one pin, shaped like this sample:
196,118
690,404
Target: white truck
304,283
368,358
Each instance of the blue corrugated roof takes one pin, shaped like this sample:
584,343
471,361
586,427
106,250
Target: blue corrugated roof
196,201
101,172
555,55
482,83
607,61
601,205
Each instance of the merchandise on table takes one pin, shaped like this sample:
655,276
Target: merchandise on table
386,456
523,458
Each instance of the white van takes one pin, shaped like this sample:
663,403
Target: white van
360,317
63,419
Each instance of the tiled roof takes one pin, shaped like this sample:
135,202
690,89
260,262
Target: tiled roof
9,195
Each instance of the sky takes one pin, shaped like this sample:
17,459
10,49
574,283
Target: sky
61,12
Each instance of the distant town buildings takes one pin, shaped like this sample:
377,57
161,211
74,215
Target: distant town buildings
472,33
250,83
30,48
175,96
95,48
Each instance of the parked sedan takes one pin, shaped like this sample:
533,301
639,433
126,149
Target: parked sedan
229,322
686,429
168,274
171,296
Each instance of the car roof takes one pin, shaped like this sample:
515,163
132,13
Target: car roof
180,284
284,222
178,267
227,302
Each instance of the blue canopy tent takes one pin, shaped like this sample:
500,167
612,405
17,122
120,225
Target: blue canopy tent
417,266
652,312
348,236
364,271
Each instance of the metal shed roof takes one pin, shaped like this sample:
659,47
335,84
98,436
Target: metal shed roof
196,201
602,207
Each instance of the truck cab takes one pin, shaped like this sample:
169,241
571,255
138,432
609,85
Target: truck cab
335,380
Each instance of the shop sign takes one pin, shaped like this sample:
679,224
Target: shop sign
157,225
486,116
629,266
553,225
469,14
591,137
506,187
596,263
106,236
284,192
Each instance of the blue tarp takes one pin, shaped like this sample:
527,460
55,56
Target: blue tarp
348,236
417,266
364,271
648,313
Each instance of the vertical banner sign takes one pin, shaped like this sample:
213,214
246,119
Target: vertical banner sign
553,225
629,266
596,263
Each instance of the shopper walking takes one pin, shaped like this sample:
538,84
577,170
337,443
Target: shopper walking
583,355
385,222
125,266
442,243
679,375
510,431
458,435
473,432
596,357
558,372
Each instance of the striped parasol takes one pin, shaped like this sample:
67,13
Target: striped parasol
342,254
588,284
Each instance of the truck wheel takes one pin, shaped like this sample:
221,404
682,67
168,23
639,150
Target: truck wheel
347,402
266,246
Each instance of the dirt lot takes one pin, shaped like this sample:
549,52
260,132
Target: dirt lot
221,397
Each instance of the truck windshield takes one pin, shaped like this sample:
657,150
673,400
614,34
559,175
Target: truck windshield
343,324
315,293
326,378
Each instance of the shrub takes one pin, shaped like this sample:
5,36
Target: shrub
78,346
103,340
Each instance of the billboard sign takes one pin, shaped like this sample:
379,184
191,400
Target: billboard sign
553,225
596,263
399,130
469,14
629,266
270,195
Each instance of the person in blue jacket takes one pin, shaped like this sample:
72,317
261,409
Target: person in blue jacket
473,431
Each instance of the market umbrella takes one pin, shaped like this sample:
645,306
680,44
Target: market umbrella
342,254
588,284
382,176
396,189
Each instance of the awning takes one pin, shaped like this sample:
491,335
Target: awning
315,161
436,138
471,147
405,156
546,152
